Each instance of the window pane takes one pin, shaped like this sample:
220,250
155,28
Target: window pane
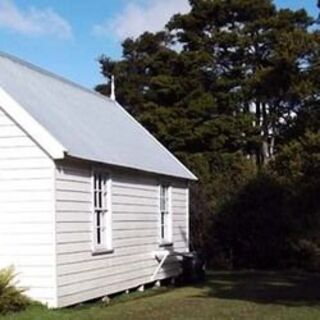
162,226
162,192
104,183
162,204
163,197
98,219
99,181
164,213
98,236
99,199
167,226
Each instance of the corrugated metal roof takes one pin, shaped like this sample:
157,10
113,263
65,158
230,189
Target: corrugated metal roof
89,125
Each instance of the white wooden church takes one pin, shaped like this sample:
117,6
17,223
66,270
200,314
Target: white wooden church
90,202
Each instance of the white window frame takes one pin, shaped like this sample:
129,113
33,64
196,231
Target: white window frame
101,212
165,215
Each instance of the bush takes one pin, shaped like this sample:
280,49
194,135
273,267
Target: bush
219,181
12,299
249,230
273,221
298,166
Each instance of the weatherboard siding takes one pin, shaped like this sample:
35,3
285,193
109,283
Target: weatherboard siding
46,228
27,235
135,233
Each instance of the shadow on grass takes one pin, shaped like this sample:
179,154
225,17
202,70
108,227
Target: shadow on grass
118,298
290,289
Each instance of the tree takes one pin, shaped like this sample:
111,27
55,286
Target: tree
223,87
259,56
274,220
298,167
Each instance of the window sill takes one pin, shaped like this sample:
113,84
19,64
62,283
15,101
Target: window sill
165,244
102,252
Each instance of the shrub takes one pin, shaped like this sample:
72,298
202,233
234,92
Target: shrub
249,230
273,221
12,299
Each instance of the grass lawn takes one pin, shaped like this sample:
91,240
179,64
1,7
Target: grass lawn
225,295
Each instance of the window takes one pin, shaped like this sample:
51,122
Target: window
102,228
165,214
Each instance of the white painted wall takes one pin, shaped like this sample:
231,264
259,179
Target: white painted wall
46,229
27,235
135,213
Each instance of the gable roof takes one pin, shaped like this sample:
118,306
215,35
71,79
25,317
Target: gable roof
67,119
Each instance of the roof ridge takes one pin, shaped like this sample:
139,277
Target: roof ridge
51,74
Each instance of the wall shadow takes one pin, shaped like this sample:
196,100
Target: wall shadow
290,289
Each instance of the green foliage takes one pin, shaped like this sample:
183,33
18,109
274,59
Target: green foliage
299,161
12,299
232,89
259,56
248,231
274,220
298,166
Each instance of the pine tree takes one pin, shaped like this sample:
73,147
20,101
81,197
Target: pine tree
259,57
222,87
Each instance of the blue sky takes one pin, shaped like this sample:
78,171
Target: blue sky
66,36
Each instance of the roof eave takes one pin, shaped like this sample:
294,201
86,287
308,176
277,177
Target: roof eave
189,177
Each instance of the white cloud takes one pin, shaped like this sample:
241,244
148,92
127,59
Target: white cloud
140,16
33,21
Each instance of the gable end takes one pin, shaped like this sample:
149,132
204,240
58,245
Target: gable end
45,140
